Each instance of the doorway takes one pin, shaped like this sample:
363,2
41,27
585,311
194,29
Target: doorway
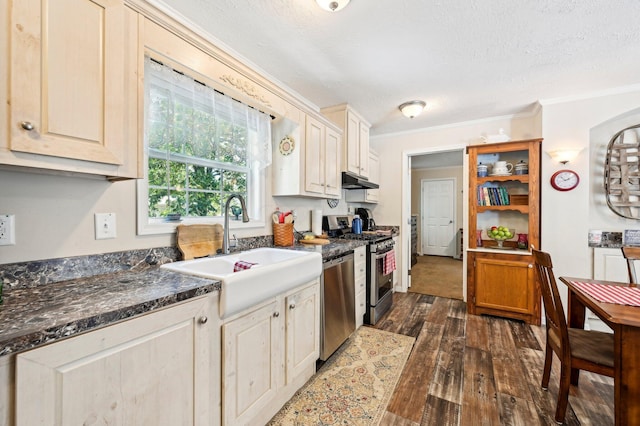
434,186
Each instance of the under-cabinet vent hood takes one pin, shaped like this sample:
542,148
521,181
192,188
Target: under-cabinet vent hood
353,181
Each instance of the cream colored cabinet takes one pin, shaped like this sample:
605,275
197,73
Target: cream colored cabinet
355,157
322,159
72,98
307,157
269,352
156,369
367,195
360,281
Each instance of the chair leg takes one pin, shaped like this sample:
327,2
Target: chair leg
563,393
546,372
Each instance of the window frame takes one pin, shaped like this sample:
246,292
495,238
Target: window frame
256,181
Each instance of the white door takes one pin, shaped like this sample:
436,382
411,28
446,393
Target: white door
438,217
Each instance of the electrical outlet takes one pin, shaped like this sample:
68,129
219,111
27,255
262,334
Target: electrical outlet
7,230
105,225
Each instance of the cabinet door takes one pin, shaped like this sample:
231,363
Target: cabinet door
353,143
252,369
68,79
151,370
504,285
314,156
374,176
332,163
302,330
363,149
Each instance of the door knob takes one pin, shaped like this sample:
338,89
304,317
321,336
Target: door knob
203,320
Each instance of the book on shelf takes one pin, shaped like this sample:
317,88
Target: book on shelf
493,196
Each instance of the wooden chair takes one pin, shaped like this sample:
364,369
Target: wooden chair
577,349
631,254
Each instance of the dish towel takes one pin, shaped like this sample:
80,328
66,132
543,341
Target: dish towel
389,262
241,265
611,293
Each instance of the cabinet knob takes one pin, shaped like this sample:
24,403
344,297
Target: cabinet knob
530,266
292,306
203,320
26,125
276,314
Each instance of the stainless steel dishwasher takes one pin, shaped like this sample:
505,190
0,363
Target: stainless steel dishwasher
337,298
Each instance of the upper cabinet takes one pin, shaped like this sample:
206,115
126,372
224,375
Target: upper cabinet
367,195
73,87
307,158
355,155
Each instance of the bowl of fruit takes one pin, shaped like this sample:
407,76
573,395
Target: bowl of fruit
500,234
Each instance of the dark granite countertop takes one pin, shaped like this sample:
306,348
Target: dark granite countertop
48,303
33,316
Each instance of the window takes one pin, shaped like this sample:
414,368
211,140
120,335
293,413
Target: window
200,147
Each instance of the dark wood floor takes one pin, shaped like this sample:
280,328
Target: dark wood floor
480,370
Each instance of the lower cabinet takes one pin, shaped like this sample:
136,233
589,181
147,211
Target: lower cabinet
503,285
269,352
159,368
360,281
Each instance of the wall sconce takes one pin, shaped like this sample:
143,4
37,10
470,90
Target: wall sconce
332,5
412,108
564,156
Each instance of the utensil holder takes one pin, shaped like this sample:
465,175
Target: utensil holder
283,234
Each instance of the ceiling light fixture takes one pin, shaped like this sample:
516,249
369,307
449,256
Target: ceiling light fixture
412,108
332,5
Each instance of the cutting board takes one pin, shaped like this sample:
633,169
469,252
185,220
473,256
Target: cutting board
316,241
199,240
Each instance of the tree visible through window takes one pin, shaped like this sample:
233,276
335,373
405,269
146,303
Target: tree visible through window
202,146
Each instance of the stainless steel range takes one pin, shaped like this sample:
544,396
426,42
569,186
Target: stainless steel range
379,275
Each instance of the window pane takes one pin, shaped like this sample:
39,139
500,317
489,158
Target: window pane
235,182
205,178
157,172
158,202
204,204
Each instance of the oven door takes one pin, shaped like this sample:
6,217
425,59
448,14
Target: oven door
381,282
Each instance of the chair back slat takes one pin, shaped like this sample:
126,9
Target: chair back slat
553,308
631,254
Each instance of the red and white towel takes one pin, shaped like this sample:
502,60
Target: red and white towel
241,265
611,293
389,264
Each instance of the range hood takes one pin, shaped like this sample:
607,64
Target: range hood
353,181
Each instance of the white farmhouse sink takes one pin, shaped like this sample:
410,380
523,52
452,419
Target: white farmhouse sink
275,271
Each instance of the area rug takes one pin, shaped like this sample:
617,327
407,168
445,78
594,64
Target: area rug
354,386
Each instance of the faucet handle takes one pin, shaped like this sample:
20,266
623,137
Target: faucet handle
233,242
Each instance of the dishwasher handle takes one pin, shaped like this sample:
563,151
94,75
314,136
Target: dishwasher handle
338,260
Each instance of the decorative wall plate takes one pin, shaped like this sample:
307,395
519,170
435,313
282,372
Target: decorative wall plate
287,145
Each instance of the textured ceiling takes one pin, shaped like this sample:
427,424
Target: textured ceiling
469,59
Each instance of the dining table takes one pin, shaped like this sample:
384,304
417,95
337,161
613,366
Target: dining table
617,304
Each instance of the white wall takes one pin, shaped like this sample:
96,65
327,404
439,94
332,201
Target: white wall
54,215
567,217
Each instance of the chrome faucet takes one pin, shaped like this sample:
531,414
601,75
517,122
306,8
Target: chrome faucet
245,218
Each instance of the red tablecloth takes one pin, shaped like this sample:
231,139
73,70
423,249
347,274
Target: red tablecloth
611,293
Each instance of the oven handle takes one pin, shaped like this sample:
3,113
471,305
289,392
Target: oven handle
381,255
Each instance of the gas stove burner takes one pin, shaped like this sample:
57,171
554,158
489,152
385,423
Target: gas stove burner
365,237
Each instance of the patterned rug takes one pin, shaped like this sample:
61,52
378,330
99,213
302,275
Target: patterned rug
354,386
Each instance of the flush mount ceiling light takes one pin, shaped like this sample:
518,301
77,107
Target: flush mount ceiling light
412,108
332,5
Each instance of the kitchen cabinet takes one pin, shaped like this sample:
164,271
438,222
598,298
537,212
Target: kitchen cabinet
159,368
500,280
367,195
72,103
360,282
307,157
355,154
269,352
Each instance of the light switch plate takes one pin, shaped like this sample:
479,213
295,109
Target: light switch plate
7,230
105,225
